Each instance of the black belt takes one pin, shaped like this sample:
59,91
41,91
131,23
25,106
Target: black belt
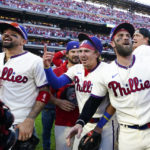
143,127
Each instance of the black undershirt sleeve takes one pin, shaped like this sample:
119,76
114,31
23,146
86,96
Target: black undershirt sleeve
89,109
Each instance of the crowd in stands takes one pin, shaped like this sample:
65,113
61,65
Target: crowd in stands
46,32
48,42
80,10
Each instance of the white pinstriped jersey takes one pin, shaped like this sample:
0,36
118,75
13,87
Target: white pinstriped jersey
20,78
129,88
84,84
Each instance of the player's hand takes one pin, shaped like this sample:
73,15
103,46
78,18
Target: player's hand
89,135
25,129
77,129
66,105
47,57
90,141
63,52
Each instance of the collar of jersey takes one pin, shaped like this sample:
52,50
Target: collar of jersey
18,54
86,71
126,67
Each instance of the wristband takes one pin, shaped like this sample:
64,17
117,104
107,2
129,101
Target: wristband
104,120
43,96
81,122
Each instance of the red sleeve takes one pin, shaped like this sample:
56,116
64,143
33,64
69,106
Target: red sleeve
57,61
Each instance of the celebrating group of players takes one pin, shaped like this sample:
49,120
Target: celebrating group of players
108,95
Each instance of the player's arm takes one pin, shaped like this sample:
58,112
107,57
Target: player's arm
41,100
96,132
93,138
88,111
26,127
86,116
53,80
110,110
57,59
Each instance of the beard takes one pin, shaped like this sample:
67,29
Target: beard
8,45
74,60
123,50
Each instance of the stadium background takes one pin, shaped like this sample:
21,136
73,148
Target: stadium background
55,22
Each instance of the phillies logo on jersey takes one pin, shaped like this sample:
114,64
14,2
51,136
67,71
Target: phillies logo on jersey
7,74
134,85
85,87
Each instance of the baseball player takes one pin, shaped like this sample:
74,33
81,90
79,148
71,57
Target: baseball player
141,37
67,110
128,86
23,83
83,75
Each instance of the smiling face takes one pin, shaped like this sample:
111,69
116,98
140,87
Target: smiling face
88,58
73,56
12,39
139,39
122,43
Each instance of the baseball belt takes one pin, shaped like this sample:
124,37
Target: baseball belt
143,127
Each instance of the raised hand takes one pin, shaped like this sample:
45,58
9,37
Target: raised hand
47,57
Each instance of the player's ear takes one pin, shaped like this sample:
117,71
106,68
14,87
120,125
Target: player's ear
112,43
23,41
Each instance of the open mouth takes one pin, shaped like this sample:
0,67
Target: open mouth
126,43
84,60
7,40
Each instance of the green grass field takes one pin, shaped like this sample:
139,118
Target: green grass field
38,126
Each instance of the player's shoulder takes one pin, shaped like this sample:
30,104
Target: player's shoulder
108,67
102,66
142,50
33,57
77,67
